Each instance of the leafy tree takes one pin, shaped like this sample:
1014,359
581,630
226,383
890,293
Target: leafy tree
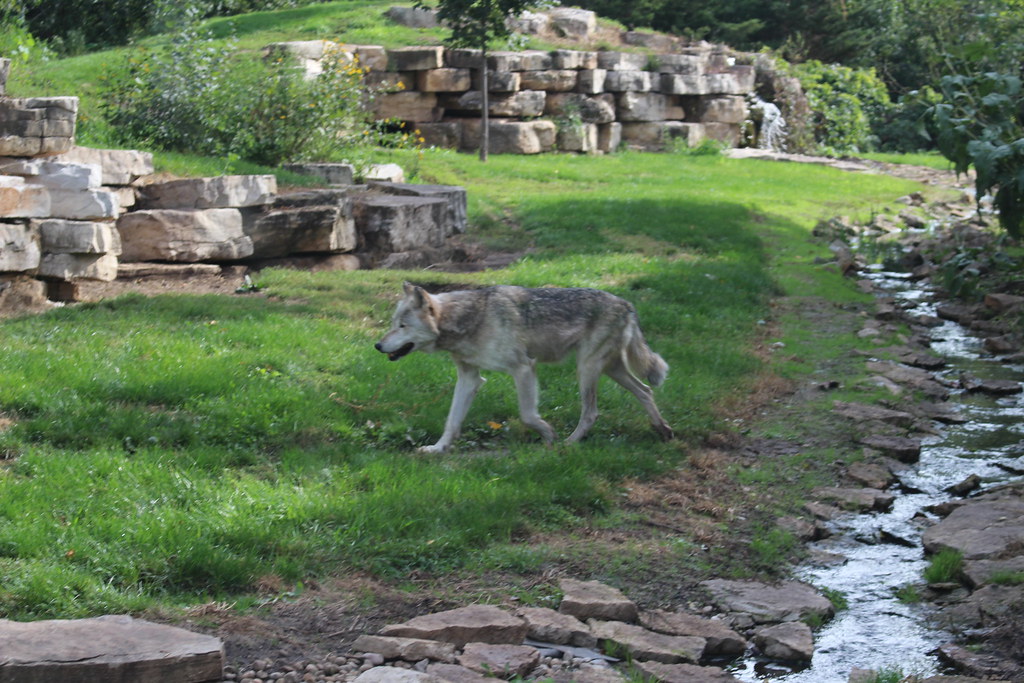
474,24
981,124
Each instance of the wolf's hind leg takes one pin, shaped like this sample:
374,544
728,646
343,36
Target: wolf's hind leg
588,375
618,372
525,377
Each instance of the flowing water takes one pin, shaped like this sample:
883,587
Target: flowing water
883,550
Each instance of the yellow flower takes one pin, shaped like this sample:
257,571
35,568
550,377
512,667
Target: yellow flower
494,425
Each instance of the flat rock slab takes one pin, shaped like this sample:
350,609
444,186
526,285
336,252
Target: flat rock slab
595,600
502,660
109,648
862,413
409,649
902,448
767,603
980,529
476,623
720,639
862,499
647,645
554,627
790,642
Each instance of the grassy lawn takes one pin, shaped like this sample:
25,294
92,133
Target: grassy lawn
169,450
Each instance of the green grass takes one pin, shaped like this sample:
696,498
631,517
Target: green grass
945,566
174,448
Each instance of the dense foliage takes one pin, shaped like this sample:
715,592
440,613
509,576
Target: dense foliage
980,123
191,97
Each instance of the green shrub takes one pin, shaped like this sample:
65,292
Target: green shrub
845,102
200,96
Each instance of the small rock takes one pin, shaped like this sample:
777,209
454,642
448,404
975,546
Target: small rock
969,484
595,600
791,641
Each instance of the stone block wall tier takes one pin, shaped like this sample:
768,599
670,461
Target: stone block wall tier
659,135
117,166
79,266
727,133
591,81
300,230
37,126
738,80
553,80
511,137
84,205
455,217
390,223
609,137
693,65
57,236
445,134
444,80
208,193
373,57
19,248
685,84
419,107
415,58
185,236
597,109
389,81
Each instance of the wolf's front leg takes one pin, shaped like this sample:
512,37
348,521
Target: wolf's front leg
466,386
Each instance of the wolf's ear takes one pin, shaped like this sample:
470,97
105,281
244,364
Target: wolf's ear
419,296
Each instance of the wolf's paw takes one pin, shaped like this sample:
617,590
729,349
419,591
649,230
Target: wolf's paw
436,448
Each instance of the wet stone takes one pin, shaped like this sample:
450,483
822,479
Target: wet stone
863,499
648,645
766,603
719,638
904,449
684,673
791,641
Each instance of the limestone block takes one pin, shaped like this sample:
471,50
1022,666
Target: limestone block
330,173
499,81
419,107
390,223
413,17
658,42
84,205
447,134
183,235
554,80
19,248
693,65
522,104
387,172
389,81
738,80
674,111
658,135
455,221
573,59
124,195
723,109
415,58
117,166
530,23
19,199
609,137
629,81
591,81
622,61
372,57
443,80
685,84
36,126
109,648
573,23
60,175
467,58
533,60
21,294
209,193
600,109
58,236
639,106
79,266
512,137
302,49
580,138
299,230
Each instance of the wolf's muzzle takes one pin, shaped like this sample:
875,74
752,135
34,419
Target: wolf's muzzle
395,355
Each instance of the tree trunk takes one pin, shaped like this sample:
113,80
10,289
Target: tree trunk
485,121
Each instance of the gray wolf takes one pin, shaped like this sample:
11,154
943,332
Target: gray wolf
511,329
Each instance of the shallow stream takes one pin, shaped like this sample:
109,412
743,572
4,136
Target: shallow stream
883,550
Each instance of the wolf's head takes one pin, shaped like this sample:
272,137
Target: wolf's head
414,325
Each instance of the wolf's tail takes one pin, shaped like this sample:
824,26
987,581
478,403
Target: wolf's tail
641,360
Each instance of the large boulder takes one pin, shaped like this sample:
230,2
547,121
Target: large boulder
19,248
765,603
980,529
220,192
59,236
37,126
117,166
455,220
648,645
512,137
79,266
317,221
389,223
184,236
